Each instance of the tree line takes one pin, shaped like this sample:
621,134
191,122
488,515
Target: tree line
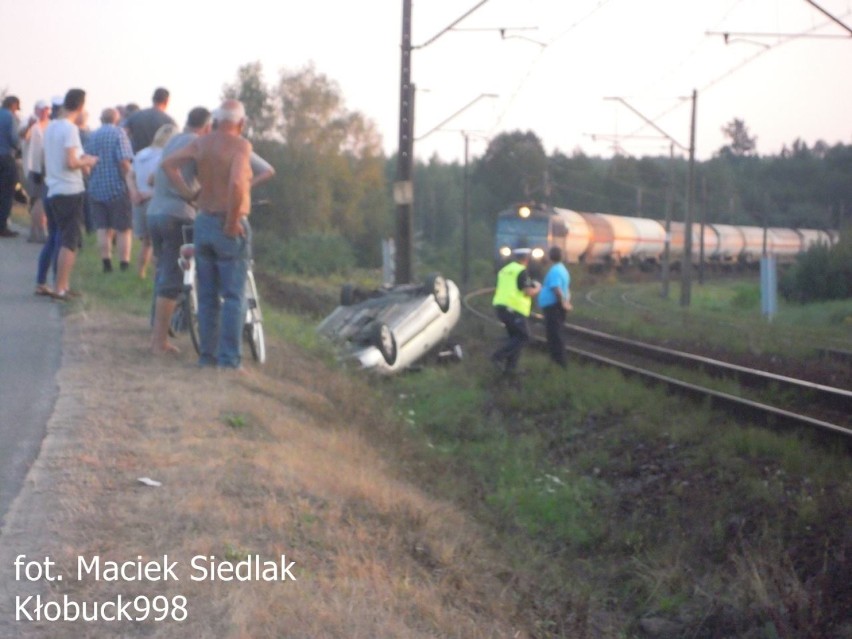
331,201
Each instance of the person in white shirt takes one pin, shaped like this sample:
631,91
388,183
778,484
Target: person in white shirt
65,163
32,135
140,184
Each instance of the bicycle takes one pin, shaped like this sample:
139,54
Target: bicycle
186,313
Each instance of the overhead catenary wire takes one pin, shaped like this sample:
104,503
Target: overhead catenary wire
784,39
542,51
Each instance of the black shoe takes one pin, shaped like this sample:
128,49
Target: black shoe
9,233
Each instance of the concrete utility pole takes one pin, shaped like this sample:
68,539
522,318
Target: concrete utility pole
403,188
703,209
466,218
686,267
686,264
669,206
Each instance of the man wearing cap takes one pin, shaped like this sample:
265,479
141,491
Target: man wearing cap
33,159
221,231
512,301
9,147
56,105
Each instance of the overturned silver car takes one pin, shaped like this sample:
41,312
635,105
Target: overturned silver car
391,328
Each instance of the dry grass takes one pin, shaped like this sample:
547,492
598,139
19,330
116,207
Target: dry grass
270,463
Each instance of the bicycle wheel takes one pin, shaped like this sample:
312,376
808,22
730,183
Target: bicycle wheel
253,329
189,309
256,341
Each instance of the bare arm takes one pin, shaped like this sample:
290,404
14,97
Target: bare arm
72,161
564,300
172,164
25,131
130,180
261,170
262,177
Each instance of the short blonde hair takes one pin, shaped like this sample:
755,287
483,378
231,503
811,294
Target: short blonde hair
163,135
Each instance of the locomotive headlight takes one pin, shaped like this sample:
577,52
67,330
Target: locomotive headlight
505,251
537,253
524,212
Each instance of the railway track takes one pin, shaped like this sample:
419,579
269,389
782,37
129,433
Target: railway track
609,299
773,399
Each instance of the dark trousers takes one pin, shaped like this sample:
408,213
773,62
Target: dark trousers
518,334
8,180
554,318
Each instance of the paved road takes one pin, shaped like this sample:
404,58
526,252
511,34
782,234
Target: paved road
30,355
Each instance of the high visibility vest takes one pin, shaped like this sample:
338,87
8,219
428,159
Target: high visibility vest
507,293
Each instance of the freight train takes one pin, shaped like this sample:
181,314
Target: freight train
603,239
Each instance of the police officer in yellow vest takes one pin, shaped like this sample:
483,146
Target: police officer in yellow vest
513,302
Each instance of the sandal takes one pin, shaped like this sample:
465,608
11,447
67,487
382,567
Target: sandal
43,289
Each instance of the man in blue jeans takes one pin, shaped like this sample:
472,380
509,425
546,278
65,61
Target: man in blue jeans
221,231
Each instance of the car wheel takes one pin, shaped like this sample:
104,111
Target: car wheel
382,338
437,286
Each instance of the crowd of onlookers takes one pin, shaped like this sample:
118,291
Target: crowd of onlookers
36,154
136,173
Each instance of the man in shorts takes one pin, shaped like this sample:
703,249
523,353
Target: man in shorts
168,212
112,212
64,164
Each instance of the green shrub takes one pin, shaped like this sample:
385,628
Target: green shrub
822,273
309,254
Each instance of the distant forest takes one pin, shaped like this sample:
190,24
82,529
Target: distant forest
334,184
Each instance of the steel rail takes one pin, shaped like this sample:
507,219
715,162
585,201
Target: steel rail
726,400
738,405
839,397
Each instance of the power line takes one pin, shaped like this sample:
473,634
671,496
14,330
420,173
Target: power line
541,53
745,62
694,50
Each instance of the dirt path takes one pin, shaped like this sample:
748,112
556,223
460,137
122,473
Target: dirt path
257,471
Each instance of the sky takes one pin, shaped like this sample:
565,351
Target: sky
554,70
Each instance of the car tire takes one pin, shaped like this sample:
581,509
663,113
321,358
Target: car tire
437,286
381,336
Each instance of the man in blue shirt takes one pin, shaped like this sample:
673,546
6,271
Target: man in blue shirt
555,301
9,146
